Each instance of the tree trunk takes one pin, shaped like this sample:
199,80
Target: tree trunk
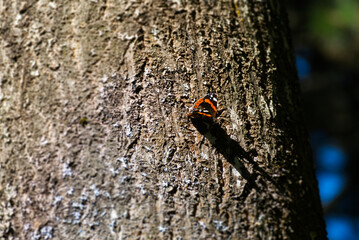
95,139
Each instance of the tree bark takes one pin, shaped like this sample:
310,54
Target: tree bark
95,140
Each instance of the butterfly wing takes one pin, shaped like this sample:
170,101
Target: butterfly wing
205,107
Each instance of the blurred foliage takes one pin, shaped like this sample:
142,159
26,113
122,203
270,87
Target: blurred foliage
331,25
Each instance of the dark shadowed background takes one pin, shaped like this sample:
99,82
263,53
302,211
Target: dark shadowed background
326,40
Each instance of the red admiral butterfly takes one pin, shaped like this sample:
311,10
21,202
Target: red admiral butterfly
205,107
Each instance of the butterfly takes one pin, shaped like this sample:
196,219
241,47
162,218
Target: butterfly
205,108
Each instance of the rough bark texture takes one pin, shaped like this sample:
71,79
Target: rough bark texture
95,142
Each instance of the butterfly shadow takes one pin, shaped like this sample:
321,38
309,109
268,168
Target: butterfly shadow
233,153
